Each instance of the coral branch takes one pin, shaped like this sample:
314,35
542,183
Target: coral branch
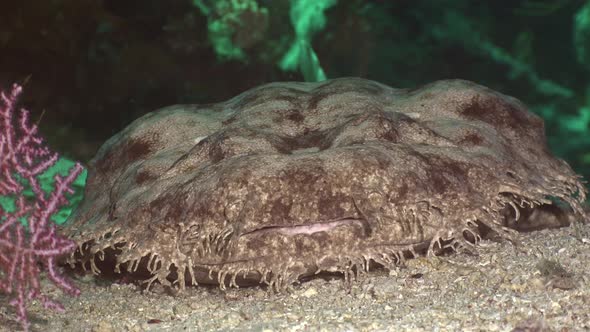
25,251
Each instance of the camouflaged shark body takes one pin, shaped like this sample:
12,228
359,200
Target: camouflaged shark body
291,179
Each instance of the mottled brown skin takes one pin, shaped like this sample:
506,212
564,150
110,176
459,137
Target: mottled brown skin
291,179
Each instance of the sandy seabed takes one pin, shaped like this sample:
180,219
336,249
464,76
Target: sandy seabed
542,284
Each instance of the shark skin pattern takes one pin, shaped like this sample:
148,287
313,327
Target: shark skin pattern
291,179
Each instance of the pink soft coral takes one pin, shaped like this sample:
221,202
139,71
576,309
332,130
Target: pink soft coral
24,251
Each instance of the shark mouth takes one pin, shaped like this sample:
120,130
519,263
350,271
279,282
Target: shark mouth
310,228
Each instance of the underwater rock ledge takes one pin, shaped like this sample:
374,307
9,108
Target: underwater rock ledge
291,179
